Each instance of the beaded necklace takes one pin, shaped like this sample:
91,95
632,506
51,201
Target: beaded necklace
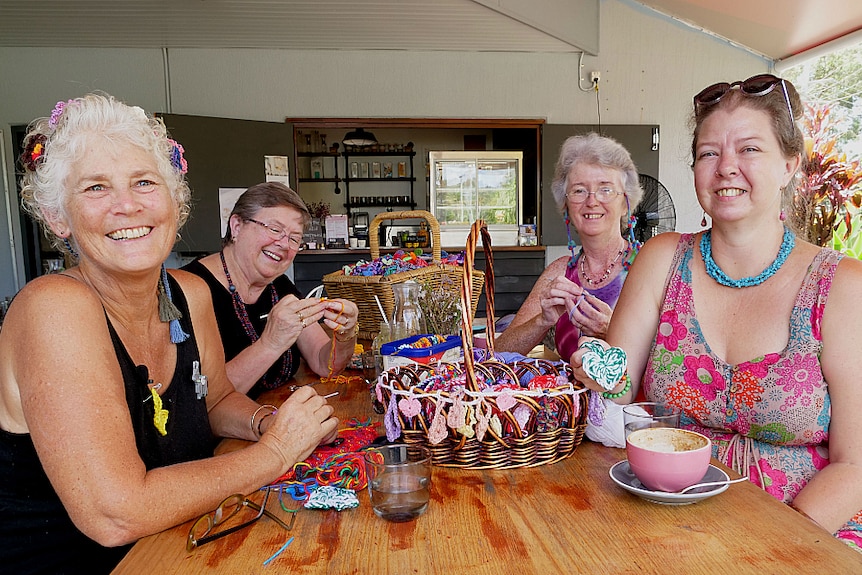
607,271
242,315
716,273
631,249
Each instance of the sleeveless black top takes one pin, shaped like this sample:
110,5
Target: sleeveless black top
233,336
36,533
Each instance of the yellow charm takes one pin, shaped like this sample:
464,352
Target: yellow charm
495,425
160,416
467,429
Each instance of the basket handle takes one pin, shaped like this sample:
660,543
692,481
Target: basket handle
479,228
433,225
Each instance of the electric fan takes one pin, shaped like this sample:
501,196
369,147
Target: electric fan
656,213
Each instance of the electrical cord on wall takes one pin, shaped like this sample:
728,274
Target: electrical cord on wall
598,105
593,85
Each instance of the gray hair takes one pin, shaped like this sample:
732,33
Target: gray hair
595,150
65,135
266,195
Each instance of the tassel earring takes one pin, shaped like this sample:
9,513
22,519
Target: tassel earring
703,220
631,223
571,242
168,312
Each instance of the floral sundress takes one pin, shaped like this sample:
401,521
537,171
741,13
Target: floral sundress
768,417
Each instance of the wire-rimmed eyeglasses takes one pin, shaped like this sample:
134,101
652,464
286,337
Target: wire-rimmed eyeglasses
201,530
278,234
759,85
604,195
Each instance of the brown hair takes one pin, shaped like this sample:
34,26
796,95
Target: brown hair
266,195
784,127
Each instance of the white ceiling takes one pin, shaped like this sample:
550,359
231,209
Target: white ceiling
773,28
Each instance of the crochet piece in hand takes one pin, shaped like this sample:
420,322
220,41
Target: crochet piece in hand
605,366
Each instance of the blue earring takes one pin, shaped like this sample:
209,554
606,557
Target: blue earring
69,247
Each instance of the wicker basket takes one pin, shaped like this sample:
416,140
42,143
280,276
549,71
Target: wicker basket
362,289
533,426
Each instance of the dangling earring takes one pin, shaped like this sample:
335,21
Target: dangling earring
69,247
571,242
782,216
703,220
631,223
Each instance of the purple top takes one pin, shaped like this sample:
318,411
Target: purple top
567,335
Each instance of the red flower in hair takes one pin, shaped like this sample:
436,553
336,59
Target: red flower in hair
34,152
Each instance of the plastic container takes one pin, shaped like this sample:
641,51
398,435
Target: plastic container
449,350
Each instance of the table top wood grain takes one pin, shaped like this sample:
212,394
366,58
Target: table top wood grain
569,517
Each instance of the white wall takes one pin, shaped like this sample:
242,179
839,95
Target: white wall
650,67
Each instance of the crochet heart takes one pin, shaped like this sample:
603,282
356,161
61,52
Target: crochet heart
410,407
605,366
506,401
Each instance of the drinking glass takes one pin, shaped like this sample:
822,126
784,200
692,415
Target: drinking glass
399,481
649,414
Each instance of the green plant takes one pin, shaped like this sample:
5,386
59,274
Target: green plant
832,186
847,239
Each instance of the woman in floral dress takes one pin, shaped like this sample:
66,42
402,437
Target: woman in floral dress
746,328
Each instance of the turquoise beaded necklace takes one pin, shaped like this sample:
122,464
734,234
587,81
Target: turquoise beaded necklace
718,274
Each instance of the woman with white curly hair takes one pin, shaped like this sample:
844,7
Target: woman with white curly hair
112,376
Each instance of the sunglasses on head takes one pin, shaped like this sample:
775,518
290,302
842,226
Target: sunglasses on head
759,85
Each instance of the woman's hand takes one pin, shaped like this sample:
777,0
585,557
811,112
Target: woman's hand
559,296
577,362
302,423
289,317
590,315
341,316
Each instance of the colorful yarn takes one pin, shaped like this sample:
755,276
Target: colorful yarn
340,464
400,261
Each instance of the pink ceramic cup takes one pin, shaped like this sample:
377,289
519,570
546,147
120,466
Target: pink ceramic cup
668,459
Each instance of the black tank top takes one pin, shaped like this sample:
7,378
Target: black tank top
36,533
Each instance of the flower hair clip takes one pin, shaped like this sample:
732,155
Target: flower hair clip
34,152
177,159
57,112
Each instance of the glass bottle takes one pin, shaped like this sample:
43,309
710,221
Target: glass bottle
407,319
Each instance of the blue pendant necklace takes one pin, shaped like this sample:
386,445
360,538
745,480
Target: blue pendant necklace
718,274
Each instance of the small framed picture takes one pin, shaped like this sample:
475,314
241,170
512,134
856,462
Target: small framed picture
363,170
375,169
402,169
354,169
387,169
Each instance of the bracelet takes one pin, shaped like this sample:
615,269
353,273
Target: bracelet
353,333
622,392
260,423
256,430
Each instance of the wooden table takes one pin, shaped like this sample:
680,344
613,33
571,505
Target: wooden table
564,518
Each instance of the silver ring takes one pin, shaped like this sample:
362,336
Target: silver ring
303,324
301,317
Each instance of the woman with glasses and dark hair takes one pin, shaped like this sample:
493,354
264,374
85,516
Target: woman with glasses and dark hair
596,189
112,378
265,324
747,329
